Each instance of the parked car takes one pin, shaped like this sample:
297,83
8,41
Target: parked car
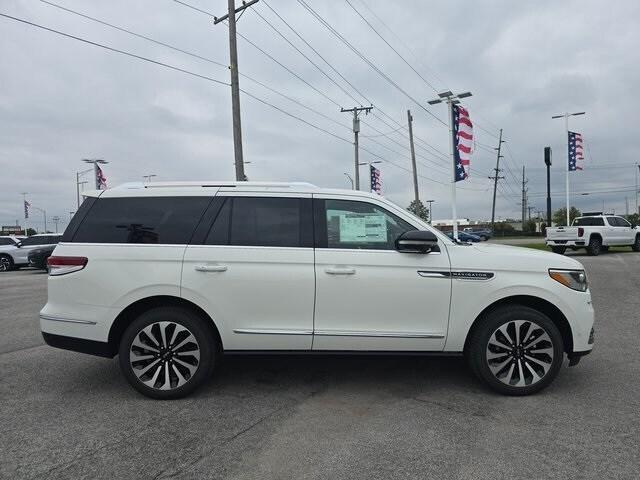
483,233
465,237
595,233
7,243
170,276
18,256
38,257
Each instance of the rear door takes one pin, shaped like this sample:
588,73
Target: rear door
615,235
253,271
626,234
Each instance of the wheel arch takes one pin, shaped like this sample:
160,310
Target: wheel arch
596,235
126,316
536,303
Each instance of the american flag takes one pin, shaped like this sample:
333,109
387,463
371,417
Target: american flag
26,209
376,181
575,151
463,142
102,180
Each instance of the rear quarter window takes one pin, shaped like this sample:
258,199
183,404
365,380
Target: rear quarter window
157,220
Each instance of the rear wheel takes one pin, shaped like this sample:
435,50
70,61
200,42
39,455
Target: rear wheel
6,263
636,245
595,246
516,350
559,250
167,353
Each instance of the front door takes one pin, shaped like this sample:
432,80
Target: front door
254,274
368,295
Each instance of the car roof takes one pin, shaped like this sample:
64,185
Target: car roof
136,189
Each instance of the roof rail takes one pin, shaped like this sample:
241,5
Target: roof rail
191,184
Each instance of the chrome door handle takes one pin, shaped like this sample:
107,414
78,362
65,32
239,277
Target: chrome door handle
340,271
211,268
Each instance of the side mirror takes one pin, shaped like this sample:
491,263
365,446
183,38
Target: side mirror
417,241
19,244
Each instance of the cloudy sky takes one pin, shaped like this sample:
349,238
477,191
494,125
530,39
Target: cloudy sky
62,100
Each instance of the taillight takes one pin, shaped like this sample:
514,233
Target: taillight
580,231
64,265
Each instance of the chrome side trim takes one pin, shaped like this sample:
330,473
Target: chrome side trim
67,320
435,274
274,331
347,333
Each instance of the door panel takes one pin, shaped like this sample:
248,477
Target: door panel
376,298
254,272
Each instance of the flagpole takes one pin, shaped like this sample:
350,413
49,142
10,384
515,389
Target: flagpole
566,128
454,213
566,116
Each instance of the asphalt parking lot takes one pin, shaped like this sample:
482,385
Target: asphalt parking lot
68,415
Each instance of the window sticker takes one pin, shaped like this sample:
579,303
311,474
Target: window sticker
362,228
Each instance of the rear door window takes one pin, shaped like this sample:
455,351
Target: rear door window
263,222
30,241
160,220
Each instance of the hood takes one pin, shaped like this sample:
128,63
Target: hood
506,257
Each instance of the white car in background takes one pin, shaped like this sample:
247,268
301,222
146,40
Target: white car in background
595,233
169,276
7,243
16,255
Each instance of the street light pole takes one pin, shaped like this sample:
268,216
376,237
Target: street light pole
450,99
430,211
350,179
566,116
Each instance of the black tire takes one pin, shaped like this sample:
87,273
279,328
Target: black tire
559,250
636,246
543,335
595,246
166,359
6,263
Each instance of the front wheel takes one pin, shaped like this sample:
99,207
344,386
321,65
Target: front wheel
516,350
167,353
636,245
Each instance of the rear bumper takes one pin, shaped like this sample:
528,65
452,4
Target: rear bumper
91,347
566,243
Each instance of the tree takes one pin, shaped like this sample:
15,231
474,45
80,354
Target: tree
30,231
560,216
503,228
529,226
634,219
419,210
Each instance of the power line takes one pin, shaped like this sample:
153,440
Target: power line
326,24
112,49
194,55
195,8
391,47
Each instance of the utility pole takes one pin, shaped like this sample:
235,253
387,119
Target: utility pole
529,209
235,83
524,197
413,158
56,219
495,179
356,129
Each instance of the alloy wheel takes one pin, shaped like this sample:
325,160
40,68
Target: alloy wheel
164,355
5,264
519,353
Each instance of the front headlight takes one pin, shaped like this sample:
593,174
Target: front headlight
574,279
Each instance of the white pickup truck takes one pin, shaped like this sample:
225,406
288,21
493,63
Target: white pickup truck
595,233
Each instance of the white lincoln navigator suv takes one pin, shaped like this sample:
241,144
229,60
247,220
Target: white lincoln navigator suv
169,276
